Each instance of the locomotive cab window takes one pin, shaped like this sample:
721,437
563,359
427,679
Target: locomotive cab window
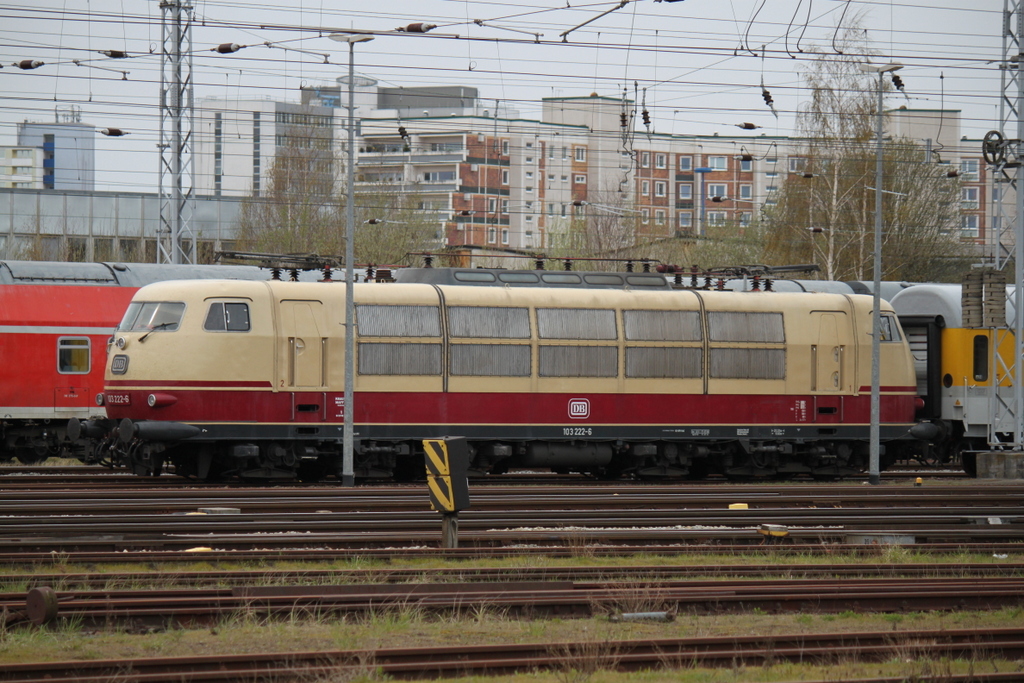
980,358
152,315
227,316
890,330
73,355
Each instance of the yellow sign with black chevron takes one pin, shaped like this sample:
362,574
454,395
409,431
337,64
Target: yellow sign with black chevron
447,463
436,456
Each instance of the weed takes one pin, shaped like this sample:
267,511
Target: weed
578,662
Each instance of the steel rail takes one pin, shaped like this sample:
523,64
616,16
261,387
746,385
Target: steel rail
385,575
623,655
52,557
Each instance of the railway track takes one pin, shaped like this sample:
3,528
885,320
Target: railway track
187,608
622,655
388,575
397,516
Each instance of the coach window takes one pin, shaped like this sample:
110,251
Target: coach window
73,355
980,358
227,316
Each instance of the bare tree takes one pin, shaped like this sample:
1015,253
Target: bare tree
825,211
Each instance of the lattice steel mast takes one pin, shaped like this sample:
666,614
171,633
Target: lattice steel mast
1004,153
176,242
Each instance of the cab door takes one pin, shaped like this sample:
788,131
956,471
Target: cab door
304,354
827,364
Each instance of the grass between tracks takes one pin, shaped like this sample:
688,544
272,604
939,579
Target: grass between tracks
410,626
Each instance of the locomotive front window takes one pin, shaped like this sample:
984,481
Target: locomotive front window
73,355
152,315
227,316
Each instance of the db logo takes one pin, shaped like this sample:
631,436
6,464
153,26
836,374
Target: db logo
579,408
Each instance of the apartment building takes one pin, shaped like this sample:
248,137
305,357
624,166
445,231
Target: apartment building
21,167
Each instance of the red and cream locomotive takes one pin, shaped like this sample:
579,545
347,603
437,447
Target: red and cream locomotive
242,378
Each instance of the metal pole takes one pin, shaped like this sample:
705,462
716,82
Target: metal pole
1018,291
876,324
347,463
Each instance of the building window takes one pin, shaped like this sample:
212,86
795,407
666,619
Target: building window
686,164
771,174
685,219
551,151
581,153
565,178
504,148
492,205
686,191
969,198
256,154
645,216
716,217
529,188
528,206
529,145
645,159
718,163
218,154
580,179
504,206
659,216
715,190
565,152
551,177
529,175
797,164
551,208
645,188
659,188
528,160
771,188
746,164
745,218
969,227
504,176
492,235
969,169
659,161
746,192
504,235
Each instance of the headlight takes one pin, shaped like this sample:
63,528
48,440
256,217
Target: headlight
99,399
121,342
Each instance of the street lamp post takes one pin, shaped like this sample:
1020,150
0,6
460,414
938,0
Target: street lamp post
876,329
348,459
702,170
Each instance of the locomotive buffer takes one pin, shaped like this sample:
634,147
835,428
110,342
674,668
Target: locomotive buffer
447,462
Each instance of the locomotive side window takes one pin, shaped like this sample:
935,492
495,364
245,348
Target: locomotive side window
576,323
490,360
489,322
748,363
227,316
579,361
399,359
662,325
658,361
152,315
398,321
73,356
745,326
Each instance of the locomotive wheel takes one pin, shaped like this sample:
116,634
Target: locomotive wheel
29,456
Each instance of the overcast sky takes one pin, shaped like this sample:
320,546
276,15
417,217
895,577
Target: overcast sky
698,64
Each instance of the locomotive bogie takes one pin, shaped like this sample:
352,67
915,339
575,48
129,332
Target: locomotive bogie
606,382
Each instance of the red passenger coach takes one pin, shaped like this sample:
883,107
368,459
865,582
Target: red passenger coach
55,321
